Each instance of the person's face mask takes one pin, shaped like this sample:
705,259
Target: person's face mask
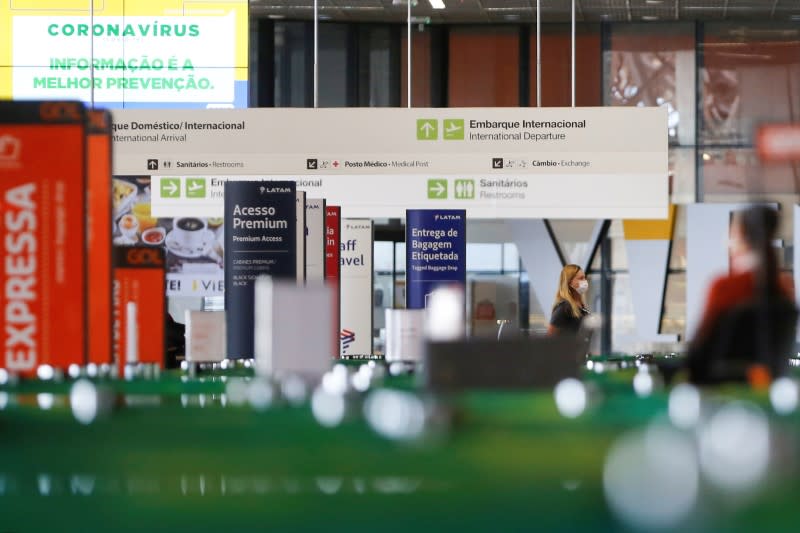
742,258
736,246
745,262
582,286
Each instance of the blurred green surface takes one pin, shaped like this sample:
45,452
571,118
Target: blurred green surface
499,461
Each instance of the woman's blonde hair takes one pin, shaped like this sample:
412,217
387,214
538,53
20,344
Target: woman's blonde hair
568,294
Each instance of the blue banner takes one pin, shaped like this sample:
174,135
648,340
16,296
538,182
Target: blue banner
436,252
260,239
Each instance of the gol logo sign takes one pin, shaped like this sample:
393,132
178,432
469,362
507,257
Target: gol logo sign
60,111
98,120
144,256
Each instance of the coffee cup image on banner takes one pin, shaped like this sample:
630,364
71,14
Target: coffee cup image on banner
192,244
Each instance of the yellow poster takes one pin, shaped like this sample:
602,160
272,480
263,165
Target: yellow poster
125,53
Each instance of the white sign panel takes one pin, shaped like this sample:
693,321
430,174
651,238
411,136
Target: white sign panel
205,336
493,162
356,289
282,310
315,240
301,237
405,334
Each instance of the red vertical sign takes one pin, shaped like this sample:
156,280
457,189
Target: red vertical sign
43,302
99,236
333,231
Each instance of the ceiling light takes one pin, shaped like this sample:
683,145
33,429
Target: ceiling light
437,4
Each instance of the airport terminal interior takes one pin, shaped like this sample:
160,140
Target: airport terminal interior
477,265
718,67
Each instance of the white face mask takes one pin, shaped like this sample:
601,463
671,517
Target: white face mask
745,262
582,287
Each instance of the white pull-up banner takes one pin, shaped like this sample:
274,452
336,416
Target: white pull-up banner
493,162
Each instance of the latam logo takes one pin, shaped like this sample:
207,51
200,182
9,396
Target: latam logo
347,338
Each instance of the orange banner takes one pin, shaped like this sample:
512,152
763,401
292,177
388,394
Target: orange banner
42,234
99,236
139,279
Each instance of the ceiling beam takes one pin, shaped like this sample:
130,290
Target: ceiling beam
628,7
483,10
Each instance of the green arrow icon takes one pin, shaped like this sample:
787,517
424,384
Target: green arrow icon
427,129
170,187
195,187
453,129
437,189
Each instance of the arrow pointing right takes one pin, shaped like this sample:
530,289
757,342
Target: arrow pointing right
438,189
172,188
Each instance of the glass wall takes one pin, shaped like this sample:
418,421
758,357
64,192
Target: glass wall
494,287
292,79
358,65
483,66
749,74
649,65
556,56
718,81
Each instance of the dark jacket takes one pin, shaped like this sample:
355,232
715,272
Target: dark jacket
563,319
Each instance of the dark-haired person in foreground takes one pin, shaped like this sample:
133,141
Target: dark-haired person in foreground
748,327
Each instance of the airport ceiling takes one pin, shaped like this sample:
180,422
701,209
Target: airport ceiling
522,11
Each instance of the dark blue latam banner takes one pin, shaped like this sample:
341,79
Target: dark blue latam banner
436,252
260,239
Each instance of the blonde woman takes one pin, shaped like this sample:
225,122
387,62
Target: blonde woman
569,307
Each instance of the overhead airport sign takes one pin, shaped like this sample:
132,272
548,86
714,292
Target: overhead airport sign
494,162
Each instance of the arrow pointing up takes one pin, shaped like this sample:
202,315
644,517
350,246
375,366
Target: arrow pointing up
427,128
